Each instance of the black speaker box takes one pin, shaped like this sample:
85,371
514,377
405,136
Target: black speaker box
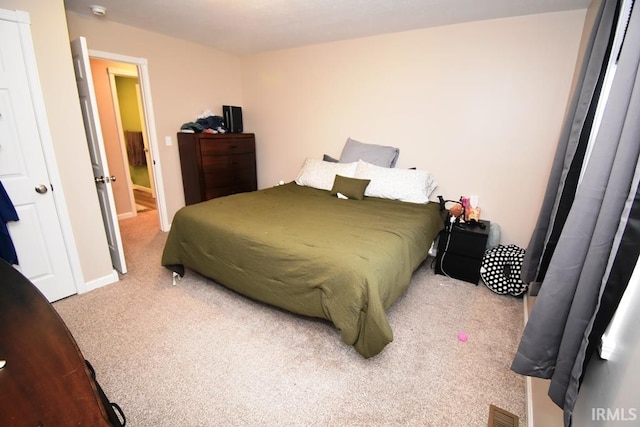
232,118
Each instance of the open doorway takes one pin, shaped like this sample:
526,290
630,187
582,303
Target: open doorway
124,104
126,97
136,141
123,124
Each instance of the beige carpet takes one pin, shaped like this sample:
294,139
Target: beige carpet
198,354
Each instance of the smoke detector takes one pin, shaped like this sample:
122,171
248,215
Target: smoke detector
98,10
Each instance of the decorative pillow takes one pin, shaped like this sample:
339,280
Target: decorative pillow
320,174
352,188
328,158
378,155
407,185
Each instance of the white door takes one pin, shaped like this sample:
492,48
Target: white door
37,235
97,152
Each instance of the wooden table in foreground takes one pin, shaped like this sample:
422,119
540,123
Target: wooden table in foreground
45,381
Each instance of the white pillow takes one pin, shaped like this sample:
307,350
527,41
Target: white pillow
407,185
320,174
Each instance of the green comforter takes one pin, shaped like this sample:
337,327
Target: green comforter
303,250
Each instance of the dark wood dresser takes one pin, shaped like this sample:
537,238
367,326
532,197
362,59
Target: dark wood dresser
216,165
46,381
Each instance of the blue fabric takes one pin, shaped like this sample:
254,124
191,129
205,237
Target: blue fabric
7,213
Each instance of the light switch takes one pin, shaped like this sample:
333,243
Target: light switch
168,141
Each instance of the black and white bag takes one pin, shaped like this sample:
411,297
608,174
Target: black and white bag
500,270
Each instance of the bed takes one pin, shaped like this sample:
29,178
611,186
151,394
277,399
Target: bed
307,251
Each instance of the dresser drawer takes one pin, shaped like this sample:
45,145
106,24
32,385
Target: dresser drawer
465,240
459,267
211,147
467,244
223,171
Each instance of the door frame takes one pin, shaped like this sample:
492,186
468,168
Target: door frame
150,126
145,140
23,20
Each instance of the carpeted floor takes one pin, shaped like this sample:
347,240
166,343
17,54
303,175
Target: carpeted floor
197,354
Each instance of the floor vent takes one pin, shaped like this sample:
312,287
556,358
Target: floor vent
501,418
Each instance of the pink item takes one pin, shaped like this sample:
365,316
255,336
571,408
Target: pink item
462,337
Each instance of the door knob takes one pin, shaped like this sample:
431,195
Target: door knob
41,189
105,179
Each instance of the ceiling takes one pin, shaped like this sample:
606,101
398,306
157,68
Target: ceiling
251,26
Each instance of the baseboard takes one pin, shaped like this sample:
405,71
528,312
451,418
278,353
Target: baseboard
98,283
126,215
141,188
541,411
529,402
529,386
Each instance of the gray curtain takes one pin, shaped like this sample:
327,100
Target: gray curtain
572,141
555,338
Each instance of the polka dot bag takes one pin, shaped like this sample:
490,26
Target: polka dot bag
500,270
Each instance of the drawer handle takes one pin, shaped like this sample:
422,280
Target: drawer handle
233,146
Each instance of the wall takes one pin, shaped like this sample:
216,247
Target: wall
127,88
185,78
480,105
128,100
53,56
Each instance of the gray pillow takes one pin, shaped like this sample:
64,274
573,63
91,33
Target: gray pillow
378,155
328,158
